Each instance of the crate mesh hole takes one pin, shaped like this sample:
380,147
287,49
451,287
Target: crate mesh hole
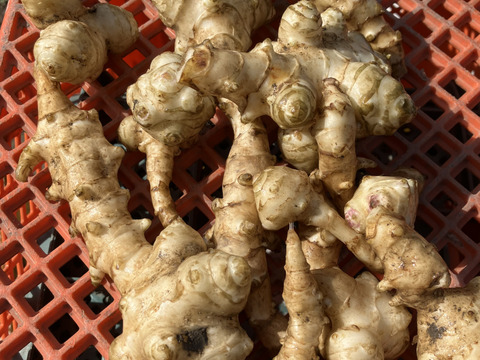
438,155
175,192
7,183
422,29
98,300
461,133
196,219
471,229
74,269
384,153
26,93
39,296
432,110
64,328
16,138
141,169
473,65
122,100
8,66
217,194
26,212
105,78
452,256
454,89
8,324
428,68
29,352
409,132
159,40
467,29
476,109
116,329
422,227
49,240
134,58
141,213
199,170
223,147
15,266
141,18
441,10
19,27
103,117
443,203
468,180
91,353
3,108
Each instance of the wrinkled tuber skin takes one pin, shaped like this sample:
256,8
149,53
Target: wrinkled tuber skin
184,303
75,51
366,17
166,116
170,112
174,293
363,324
303,300
237,229
321,248
285,81
284,195
384,209
228,24
395,193
448,322
159,166
411,264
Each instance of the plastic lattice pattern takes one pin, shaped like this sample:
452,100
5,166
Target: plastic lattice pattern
49,309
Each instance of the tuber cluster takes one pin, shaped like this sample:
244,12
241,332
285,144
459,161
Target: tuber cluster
329,79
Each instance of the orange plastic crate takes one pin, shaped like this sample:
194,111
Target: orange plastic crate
49,309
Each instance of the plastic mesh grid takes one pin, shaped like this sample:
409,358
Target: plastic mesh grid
49,309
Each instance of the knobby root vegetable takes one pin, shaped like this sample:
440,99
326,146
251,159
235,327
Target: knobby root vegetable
74,43
285,81
412,264
178,300
170,112
284,195
159,166
227,23
364,326
167,116
384,209
396,193
303,300
237,229
448,322
366,16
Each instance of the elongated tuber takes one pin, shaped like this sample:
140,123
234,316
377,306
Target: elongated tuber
237,229
303,299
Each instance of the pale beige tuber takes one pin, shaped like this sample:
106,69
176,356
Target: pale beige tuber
228,24
284,195
75,40
178,300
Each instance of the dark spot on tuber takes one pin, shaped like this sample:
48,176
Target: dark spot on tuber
435,332
193,340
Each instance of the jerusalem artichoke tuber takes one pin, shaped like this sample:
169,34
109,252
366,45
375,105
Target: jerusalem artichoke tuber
202,292
75,40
